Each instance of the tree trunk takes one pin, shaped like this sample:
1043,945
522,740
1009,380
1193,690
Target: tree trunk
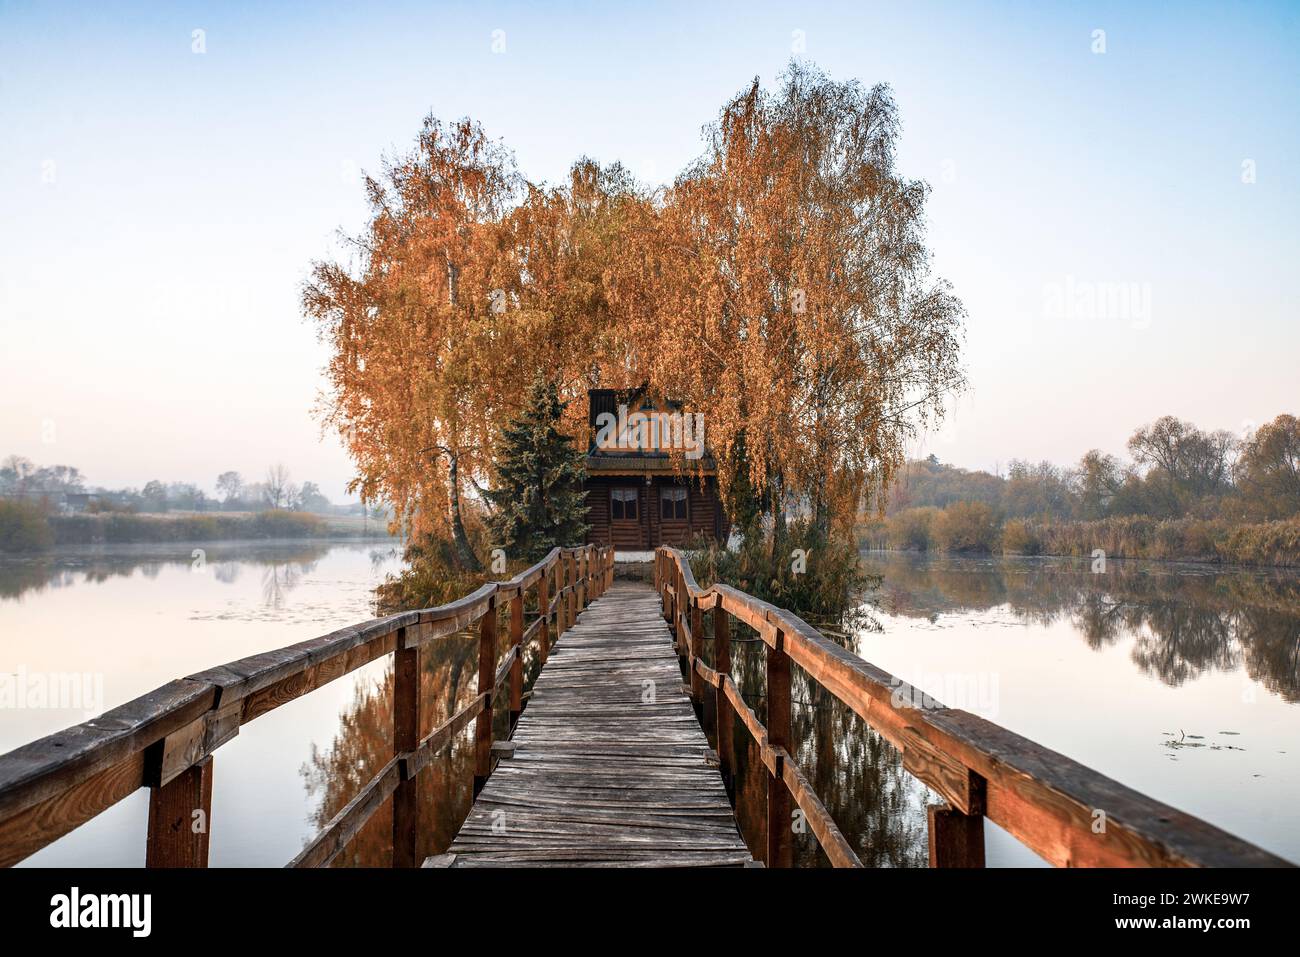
464,553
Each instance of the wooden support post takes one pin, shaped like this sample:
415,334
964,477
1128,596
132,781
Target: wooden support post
697,639
180,819
487,666
780,831
582,579
560,603
678,610
569,615
722,662
956,839
406,737
517,667
544,609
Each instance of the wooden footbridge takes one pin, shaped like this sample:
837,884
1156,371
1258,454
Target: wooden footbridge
606,763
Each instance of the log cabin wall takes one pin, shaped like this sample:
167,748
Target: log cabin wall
651,528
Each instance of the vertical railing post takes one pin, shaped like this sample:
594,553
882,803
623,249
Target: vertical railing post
568,593
780,832
544,609
406,737
582,579
561,601
517,666
562,608
681,606
180,814
956,839
722,704
697,639
487,666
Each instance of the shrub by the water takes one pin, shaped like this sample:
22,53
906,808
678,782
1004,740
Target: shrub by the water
913,528
1021,537
815,577
967,527
23,527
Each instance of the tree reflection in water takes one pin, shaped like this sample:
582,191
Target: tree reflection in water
1185,620
364,744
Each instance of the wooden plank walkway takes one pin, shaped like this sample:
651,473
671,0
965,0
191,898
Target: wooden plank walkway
609,764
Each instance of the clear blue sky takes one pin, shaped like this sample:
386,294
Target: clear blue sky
149,292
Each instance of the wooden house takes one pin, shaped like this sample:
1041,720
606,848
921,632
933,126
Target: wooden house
636,500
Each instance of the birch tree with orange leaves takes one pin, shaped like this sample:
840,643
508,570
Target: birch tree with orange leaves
792,297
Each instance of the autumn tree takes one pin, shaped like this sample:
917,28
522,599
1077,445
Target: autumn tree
1184,464
230,485
1270,469
467,282
785,289
1098,482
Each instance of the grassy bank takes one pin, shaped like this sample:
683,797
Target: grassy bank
974,528
25,528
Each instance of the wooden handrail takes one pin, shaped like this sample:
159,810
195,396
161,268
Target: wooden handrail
164,740
1069,814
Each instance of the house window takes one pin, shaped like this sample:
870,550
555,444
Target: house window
672,502
623,504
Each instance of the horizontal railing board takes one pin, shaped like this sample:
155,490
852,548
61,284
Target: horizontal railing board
37,770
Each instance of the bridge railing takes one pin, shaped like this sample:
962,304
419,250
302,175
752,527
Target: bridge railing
1069,814
165,740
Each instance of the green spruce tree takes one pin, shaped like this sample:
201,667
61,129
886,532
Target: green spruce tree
537,493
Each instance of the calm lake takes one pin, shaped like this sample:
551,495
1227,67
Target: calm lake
1180,681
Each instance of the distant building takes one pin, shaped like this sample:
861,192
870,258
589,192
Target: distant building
635,499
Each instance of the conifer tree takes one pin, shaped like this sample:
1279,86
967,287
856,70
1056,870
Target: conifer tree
538,496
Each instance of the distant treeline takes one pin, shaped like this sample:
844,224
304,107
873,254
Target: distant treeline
974,527
1188,495
64,488
26,527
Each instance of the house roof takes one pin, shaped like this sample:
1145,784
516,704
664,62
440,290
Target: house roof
645,463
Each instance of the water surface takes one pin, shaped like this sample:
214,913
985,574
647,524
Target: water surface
1181,681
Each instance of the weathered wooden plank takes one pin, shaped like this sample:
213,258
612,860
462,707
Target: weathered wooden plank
608,762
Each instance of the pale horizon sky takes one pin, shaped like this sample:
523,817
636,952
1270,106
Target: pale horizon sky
161,207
